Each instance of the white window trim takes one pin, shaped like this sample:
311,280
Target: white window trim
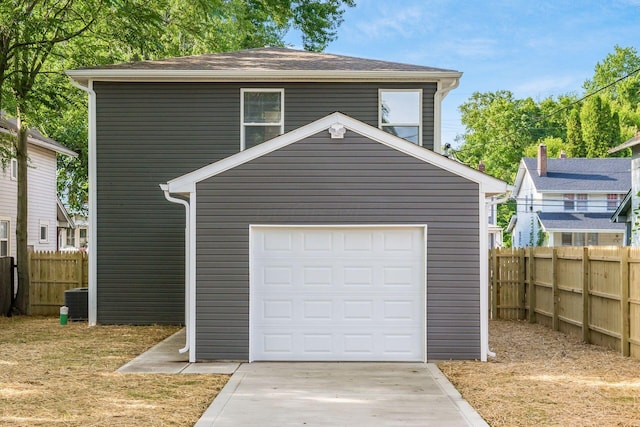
420,118
13,169
580,203
43,224
243,124
8,238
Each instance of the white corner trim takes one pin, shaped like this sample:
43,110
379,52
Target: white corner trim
93,223
444,87
484,276
186,183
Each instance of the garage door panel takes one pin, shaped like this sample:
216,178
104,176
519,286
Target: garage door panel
337,294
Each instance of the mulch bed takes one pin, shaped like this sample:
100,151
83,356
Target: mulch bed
544,377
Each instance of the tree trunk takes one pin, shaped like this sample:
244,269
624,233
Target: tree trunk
21,304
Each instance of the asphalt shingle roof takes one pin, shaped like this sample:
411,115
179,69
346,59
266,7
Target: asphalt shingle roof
579,221
582,175
270,59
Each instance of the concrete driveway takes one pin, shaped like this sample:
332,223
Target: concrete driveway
339,394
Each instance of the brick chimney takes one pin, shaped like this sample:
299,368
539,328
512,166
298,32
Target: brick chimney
563,154
481,166
542,160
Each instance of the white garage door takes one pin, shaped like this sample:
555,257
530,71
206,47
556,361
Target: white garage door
340,293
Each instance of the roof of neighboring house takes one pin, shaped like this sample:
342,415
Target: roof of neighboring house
8,125
565,221
632,142
263,64
579,175
622,212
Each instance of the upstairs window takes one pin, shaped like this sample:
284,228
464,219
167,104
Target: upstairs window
613,201
575,202
400,113
262,116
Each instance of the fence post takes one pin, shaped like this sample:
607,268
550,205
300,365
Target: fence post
586,336
624,300
522,312
554,289
494,284
532,285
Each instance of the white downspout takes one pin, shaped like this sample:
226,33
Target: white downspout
93,216
187,296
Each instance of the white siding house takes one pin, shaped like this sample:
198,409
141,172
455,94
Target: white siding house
42,193
569,202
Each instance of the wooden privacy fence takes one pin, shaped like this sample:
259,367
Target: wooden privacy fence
51,274
589,292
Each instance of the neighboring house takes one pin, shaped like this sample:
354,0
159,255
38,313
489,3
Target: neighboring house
42,192
569,202
76,236
627,212
333,240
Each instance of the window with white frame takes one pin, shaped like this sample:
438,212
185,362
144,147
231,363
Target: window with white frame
613,201
400,113
14,169
575,202
262,116
44,232
4,237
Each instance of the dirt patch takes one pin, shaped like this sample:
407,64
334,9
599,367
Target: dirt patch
53,375
543,377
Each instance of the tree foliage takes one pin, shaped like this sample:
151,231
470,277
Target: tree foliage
39,39
129,30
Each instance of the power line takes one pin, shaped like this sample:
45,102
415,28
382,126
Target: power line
569,105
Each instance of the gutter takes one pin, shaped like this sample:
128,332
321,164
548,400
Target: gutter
187,294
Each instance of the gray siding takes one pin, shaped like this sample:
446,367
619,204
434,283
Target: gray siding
350,181
149,133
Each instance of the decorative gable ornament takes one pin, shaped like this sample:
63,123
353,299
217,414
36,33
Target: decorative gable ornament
337,131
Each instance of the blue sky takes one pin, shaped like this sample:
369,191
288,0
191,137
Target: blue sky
532,48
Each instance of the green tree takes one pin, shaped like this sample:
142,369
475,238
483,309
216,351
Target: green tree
498,129
600,128
29,32
575,143
39,39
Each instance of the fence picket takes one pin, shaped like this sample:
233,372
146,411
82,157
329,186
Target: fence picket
52,273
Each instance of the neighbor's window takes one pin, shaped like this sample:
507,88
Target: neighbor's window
44,232
613,200
401,112
4,238
14,169
71,237
83,237
569,202
575,202
262,116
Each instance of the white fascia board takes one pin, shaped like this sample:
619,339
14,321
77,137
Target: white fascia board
490,185
522,172
258,75
582,230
